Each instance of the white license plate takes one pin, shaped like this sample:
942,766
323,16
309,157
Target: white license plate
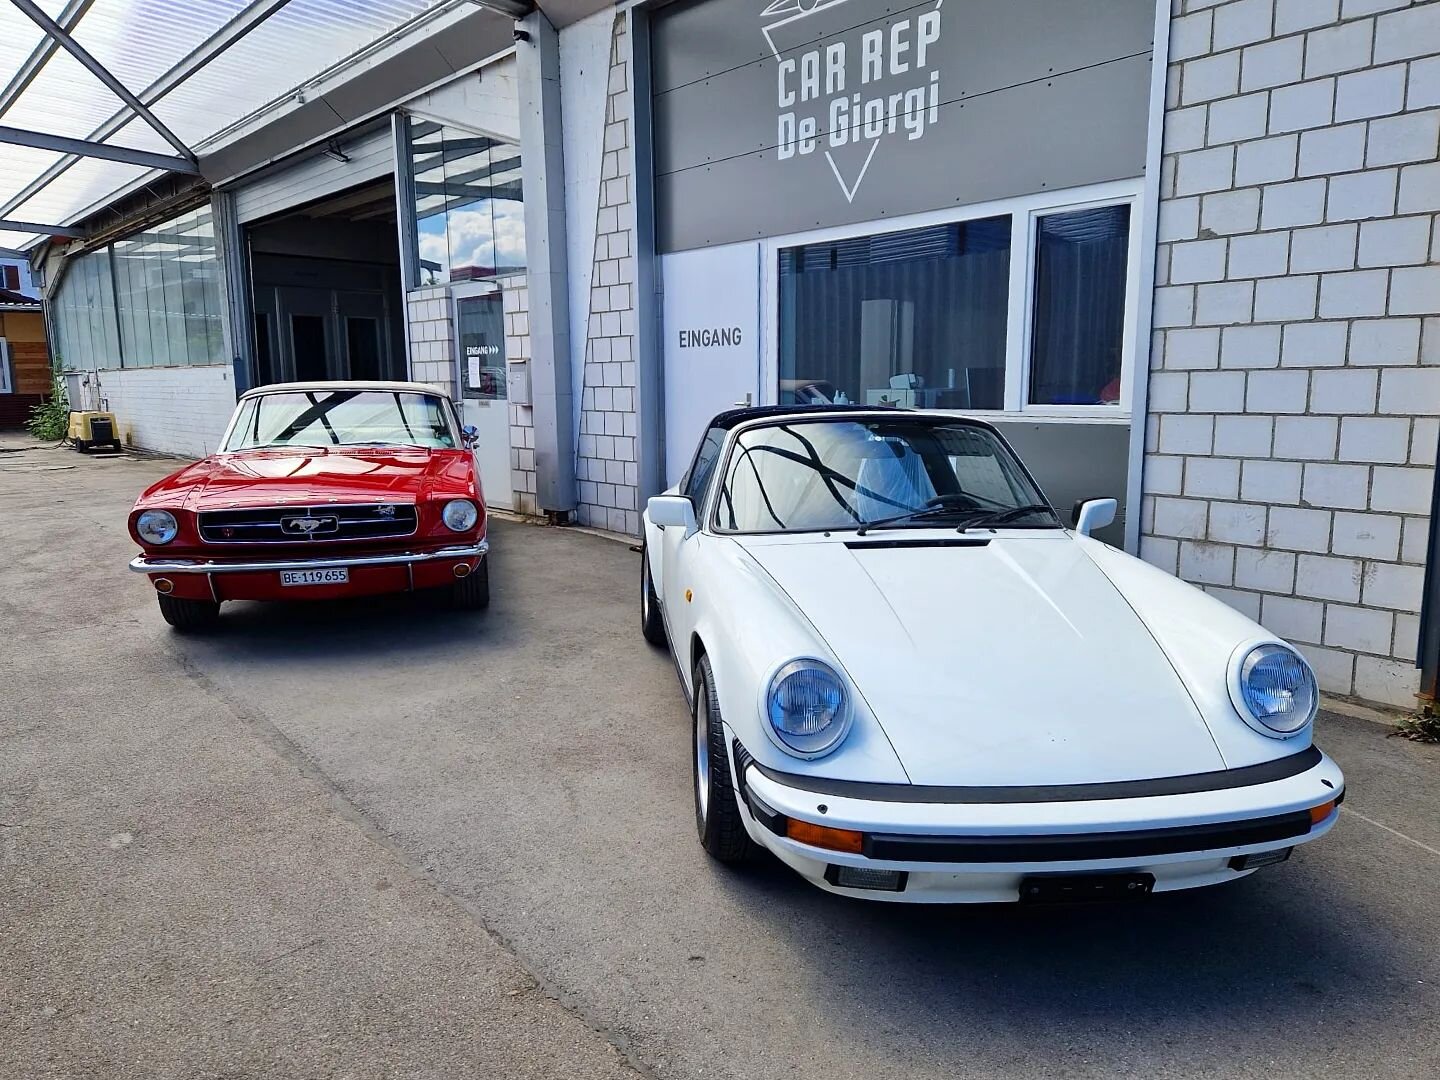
339,575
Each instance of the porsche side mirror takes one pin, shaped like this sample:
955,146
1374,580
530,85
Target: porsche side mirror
469,436
672,510
1094,514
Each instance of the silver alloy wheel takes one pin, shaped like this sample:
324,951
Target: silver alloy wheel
702,751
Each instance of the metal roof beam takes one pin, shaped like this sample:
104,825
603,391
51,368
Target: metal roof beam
70,45
87,148
516,9
68,19
6,225
204,53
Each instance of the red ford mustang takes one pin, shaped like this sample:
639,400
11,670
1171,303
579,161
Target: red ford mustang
319,490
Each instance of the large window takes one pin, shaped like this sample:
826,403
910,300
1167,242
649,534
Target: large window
1078,329
469,207
151,300
912,318
1017,312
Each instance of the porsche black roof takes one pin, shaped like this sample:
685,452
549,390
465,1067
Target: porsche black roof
733,418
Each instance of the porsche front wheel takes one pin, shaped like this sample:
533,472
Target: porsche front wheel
717,813
652,624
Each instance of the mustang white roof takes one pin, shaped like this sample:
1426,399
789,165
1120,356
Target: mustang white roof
357,384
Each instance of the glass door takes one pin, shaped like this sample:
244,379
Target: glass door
484,401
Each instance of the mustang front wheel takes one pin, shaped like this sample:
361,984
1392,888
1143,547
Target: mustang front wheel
188,616
652,625
472,592
717,813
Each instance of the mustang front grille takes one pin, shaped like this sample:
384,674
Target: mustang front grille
308,524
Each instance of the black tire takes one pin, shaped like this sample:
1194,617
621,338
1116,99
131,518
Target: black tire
652,623
82,446
717,811
189,616
472,592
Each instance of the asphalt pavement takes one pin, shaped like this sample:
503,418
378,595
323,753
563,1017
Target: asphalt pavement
384,839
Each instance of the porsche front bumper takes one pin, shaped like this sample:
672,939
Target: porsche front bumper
977,845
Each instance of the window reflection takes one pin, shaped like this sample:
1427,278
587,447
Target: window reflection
914,318
150,300
469,205
1079,307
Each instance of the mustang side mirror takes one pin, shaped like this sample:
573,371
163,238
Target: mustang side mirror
672,510
1092,514
469,436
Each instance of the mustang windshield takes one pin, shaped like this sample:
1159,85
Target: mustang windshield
805,475
294,418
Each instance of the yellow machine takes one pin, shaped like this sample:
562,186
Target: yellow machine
91,429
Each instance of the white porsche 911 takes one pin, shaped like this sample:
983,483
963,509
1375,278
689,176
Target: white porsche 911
911,682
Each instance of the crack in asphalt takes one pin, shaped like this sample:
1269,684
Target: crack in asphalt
289,751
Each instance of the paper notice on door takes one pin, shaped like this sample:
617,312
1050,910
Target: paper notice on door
475,376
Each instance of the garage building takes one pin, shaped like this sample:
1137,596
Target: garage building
1182,254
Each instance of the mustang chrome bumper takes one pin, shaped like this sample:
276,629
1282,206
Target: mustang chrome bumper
971,845
141,565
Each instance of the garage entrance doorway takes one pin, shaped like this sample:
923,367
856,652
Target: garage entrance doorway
326,283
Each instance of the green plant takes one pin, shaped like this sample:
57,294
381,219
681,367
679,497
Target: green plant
50,420
1422,728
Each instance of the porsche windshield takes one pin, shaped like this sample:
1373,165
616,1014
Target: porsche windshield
294,418
804,475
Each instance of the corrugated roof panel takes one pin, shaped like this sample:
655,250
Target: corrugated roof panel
138,41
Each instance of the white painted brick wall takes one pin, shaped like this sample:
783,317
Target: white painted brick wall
1295,385
171,410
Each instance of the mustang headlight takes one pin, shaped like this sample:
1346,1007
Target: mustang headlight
808,708
460,515
1275,686
156,526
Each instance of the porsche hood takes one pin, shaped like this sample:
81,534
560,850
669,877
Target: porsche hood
1007,662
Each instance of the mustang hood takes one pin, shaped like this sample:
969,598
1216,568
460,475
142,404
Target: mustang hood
1013,662
268,477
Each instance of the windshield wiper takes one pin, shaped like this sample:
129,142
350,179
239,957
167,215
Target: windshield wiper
1000,517
939,506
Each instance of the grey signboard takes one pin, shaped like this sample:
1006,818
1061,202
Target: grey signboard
777,116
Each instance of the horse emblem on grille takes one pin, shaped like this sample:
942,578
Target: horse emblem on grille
385,510
308,526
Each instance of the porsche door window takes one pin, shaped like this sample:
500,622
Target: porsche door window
833,474
697,481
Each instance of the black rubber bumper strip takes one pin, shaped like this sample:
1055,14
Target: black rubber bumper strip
1137,844
1247,776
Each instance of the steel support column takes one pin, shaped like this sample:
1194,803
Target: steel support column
237,309
542,167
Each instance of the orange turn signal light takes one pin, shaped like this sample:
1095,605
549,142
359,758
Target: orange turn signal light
825,837
1321,812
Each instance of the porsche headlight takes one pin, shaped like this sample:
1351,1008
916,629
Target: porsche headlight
1277,688
156,526
460,515
807,707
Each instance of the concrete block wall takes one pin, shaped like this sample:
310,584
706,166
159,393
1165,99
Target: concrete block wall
1295,367
171,410
431,336
522,417
607,474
